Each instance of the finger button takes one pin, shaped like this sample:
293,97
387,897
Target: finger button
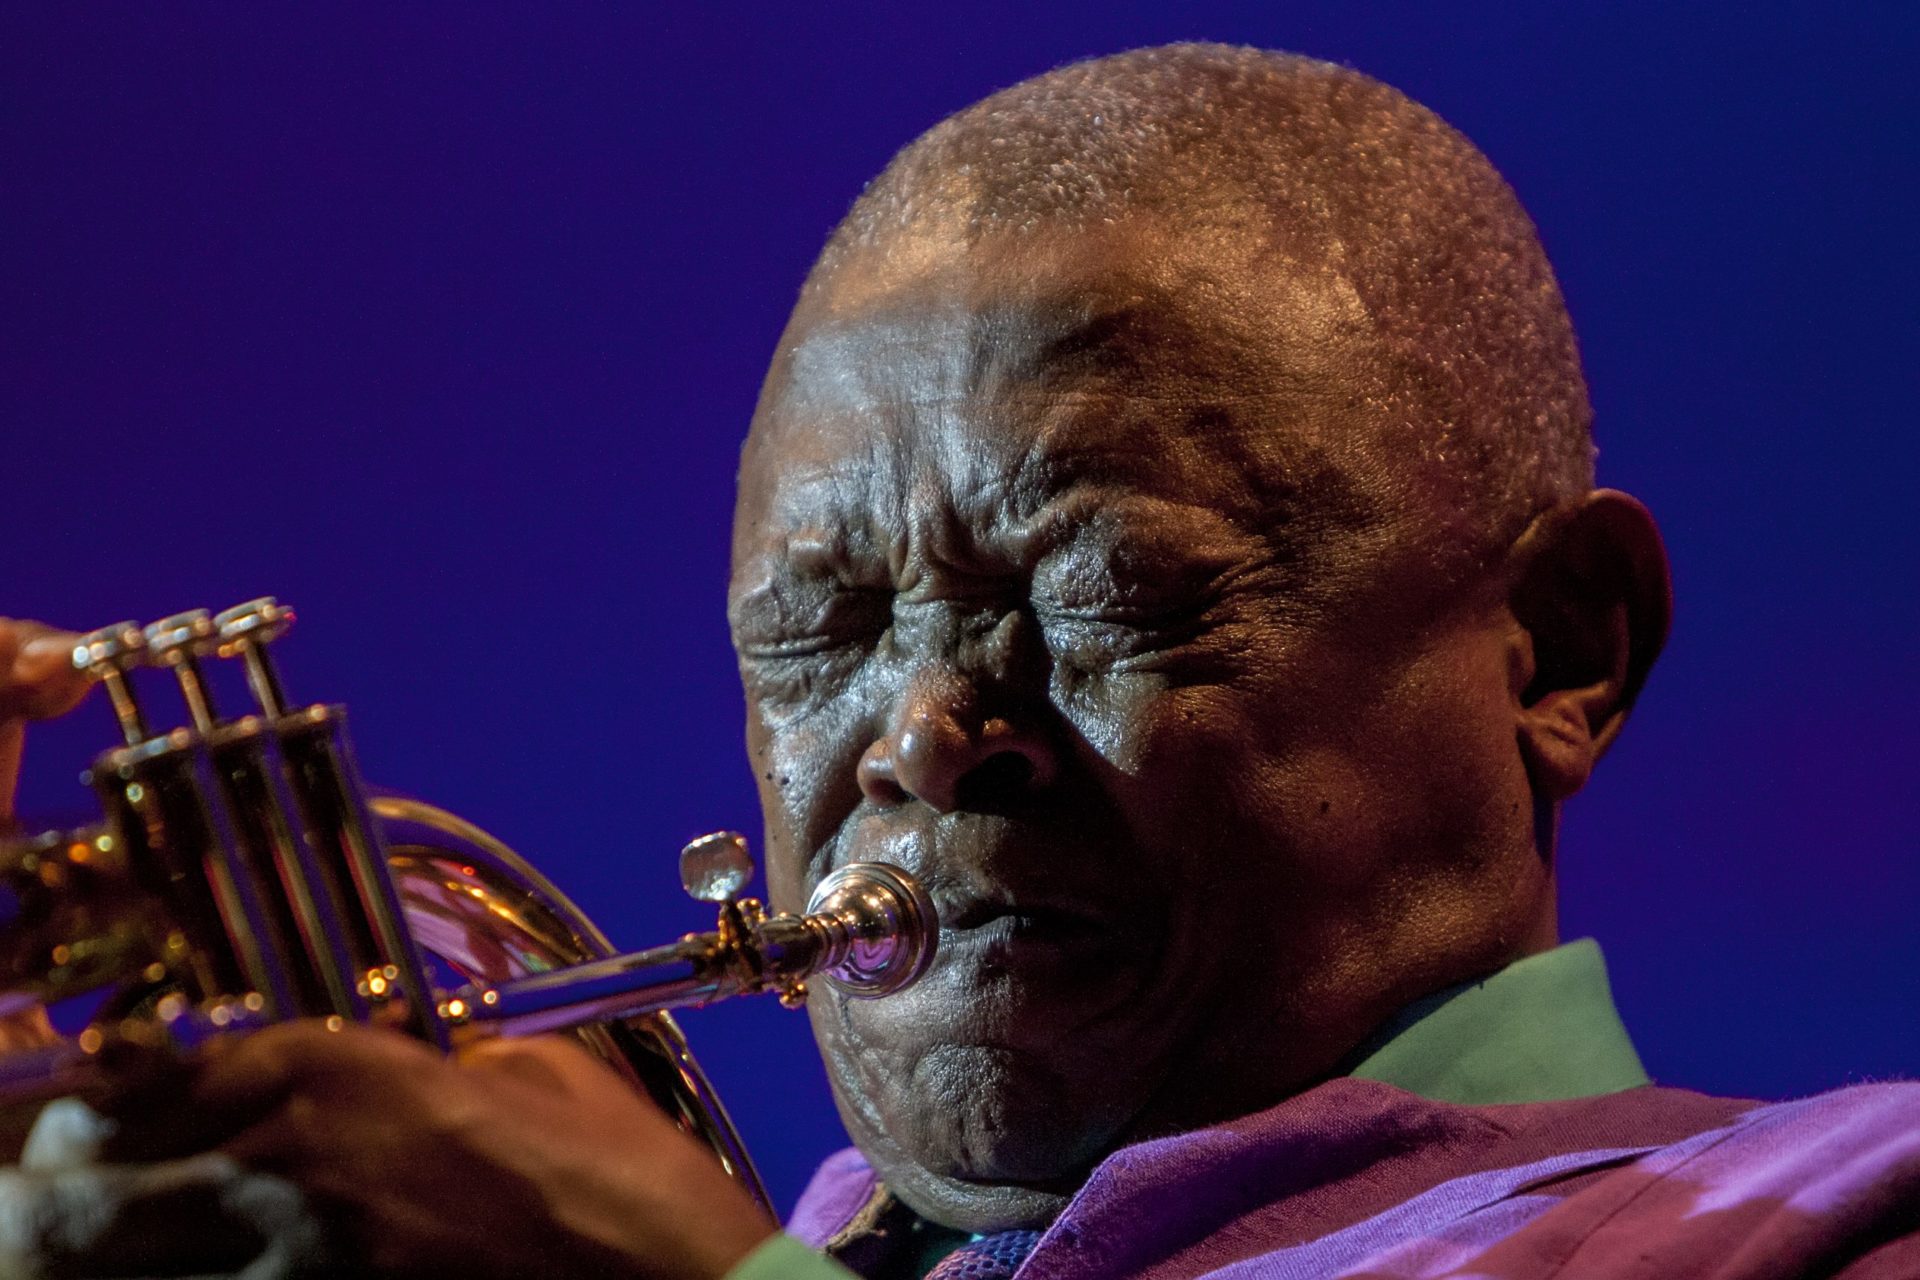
180,642
245,631
174,640
716,867
111,650
257,622
106,656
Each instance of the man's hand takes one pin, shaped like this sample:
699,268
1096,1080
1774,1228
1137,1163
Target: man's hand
520,1158
37,682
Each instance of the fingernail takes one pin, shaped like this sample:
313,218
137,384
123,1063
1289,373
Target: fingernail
48,644
44,657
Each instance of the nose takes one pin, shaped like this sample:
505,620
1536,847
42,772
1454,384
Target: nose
943,749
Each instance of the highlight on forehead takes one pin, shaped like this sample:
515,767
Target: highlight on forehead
1121,342
1483,386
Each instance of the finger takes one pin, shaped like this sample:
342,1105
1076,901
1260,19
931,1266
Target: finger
147,1099
543,1069
283,1142
37,677
37,681
527,1062
557,1079
246,1070
28,1028
13,739
555,1063
237,1081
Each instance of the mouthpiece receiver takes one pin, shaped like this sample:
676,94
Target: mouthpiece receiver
869,930
883,926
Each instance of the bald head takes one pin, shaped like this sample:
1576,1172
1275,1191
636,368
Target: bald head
1291,167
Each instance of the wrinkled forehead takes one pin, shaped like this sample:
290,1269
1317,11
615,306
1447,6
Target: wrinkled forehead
996,383
989,399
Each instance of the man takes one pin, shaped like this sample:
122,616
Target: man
1168,529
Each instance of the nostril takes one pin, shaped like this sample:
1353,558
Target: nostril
877,778
997,781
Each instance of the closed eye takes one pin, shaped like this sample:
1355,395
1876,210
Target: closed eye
1142,615
1120,637
809,620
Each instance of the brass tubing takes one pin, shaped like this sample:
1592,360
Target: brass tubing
126,709
332,798
193,690
302,907
237,894
264,680
692,971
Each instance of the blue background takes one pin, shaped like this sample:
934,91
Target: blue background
445,326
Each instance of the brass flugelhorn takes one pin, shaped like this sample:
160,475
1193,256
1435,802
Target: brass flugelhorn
246,874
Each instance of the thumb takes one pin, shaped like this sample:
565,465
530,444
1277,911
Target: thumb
13,737
37,681
37,677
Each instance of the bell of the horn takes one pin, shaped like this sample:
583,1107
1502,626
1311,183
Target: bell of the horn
487,914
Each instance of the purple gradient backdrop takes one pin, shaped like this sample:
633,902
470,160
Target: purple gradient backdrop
445,325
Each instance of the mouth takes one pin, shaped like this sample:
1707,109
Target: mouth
977,916
996,895
1014,973
1026,955
996,934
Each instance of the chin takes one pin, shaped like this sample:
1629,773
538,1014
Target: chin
982,1208
985,1114
987,1092
1009,1154
975,1131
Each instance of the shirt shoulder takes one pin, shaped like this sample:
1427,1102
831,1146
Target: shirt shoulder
1803,1188
843,1197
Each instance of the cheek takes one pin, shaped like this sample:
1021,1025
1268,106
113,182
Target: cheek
1409,826
805,772
1447,736
1313,776
1115,719
1199,778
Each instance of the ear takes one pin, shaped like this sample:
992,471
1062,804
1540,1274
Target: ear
1593,598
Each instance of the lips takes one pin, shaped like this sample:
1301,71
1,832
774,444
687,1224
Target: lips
971,915
997,882
1042,935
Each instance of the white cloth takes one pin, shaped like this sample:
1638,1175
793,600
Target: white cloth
64,1213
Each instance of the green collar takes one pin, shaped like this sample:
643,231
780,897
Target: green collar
1542,1029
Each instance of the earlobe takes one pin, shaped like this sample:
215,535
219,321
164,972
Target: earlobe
1557,740
1592,596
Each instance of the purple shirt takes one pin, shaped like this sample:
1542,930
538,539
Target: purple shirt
1357,1178
1501,1129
